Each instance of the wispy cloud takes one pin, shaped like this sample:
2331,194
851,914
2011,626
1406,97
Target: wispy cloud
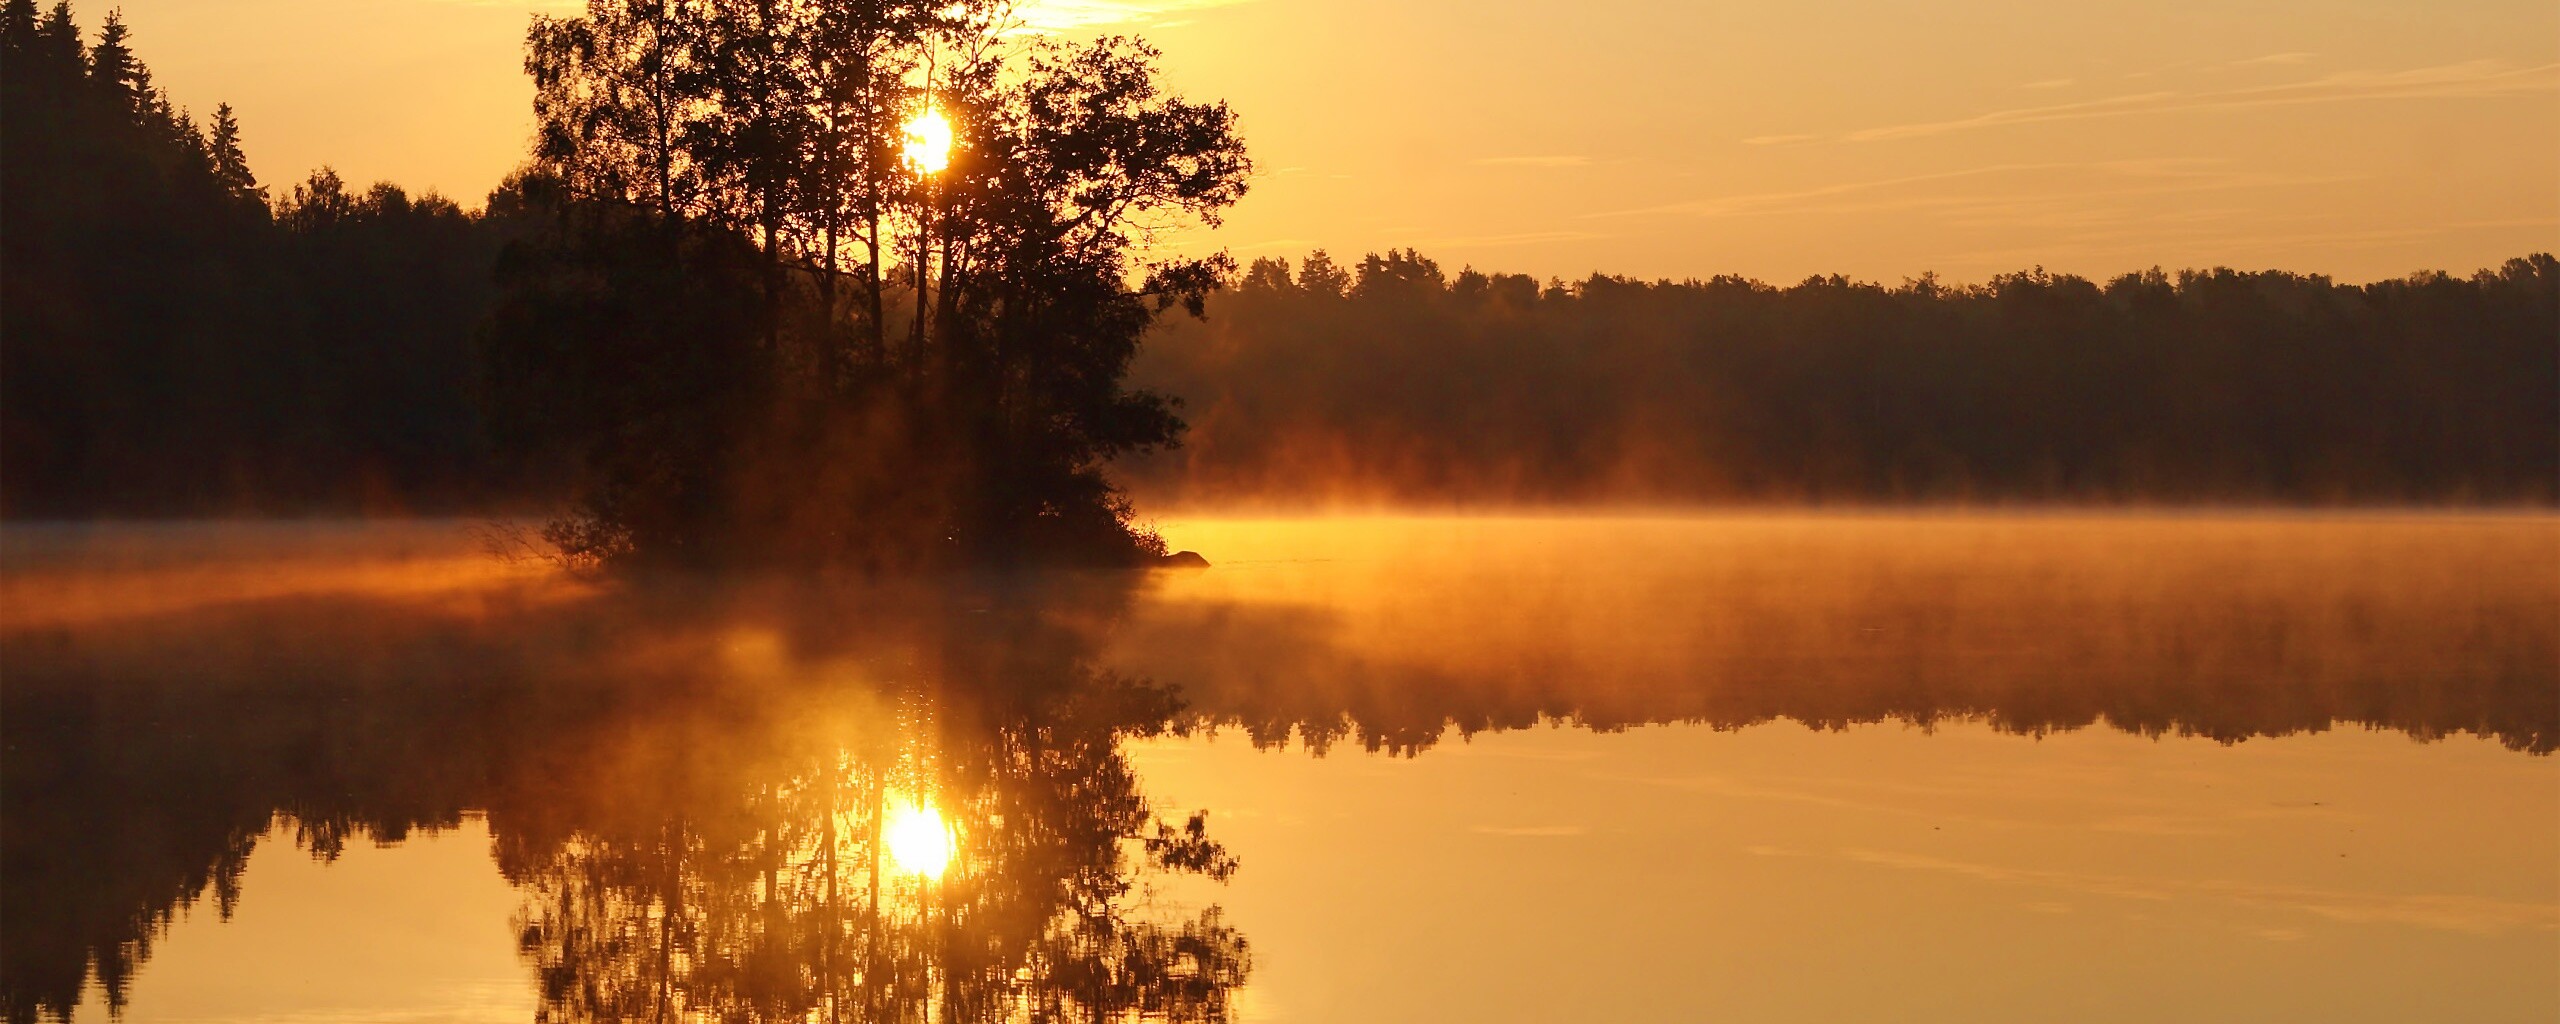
1066,15
1038,15
2075,201
1531,831
2468,80
2275,58
1517,238
1533,161
2051,83
1778,140
547,6
1806,199
2119,236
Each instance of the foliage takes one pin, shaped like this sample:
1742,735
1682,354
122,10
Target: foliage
1401,383
174,346
768,340
712,332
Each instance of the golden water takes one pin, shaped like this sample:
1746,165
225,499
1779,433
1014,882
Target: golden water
1773,768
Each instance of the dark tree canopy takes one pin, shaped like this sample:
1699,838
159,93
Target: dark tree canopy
173,346
713,342
771,332
1395,381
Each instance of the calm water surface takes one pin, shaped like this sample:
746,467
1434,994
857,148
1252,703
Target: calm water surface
1801,768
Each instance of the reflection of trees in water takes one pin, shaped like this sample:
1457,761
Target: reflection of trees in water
91,883
2222,629
769,894
690,808
686,785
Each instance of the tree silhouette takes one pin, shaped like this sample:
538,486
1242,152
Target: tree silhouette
175,347
961,410
704,389
1401,383
230,165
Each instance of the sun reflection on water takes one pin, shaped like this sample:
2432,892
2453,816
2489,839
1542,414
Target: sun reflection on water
919,841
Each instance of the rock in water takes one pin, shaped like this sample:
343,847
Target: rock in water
1182,560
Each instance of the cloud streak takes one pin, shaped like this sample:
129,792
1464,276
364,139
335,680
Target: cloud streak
1037,15
1947,191
1516,238
1067,15
1532,831
2469,80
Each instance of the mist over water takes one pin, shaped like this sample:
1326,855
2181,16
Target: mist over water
2221,625
940,563
2252,705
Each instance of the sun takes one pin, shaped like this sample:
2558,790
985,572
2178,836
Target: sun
928,146
918,841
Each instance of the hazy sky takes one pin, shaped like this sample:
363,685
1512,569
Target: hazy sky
1679,138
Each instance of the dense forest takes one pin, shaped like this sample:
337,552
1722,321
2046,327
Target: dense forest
1393,381
176,340
180,339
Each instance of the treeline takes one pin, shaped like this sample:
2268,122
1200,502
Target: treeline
1391,380
175,340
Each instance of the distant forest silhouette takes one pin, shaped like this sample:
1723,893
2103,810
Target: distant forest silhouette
182,339
1393,380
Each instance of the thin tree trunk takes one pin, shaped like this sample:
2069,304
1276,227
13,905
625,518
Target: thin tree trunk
924,270
836,357
871,950
879,303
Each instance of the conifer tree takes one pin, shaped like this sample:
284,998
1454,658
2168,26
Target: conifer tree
230,165
113,68
58,47
18,24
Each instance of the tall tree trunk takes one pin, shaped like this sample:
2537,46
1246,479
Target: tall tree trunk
924,283
879,302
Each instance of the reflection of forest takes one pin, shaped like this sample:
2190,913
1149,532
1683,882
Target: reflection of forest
2221,627
686,783
691,808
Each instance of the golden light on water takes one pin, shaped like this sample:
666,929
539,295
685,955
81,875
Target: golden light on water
928,147
919,841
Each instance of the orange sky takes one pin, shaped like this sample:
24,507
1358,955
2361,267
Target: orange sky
1679,138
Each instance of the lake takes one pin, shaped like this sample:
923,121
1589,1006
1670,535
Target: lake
1632,767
